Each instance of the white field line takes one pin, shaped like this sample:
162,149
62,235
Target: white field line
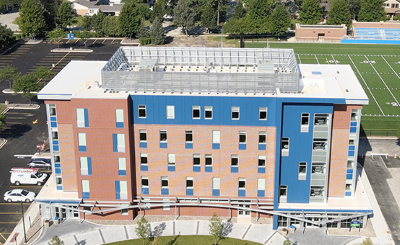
382,80
390,67
316,58
334,60
299,58
359,73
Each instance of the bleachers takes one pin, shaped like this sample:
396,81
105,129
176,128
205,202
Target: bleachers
377,33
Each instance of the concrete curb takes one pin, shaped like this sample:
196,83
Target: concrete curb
23,106
67,50
10,91
2,142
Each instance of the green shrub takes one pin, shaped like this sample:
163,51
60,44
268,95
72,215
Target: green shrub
145,40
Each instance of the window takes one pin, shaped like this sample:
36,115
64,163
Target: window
354,115
119,142
143,135
209,162
242,187
215,186
261,161
319,144
143,162
121,166
54,134
317,191
318,168
348,187
121,190
260,187
285,147
208,112
283,191
302,170
164,185
196,112
189,186
350,164
188,136
170,112
82,141
82,118
242,137
145,185
196,162
305,119
124,211
352,142
262,112
86,165
321,119
119,118
85,189
142,111
234,163
216,137
52,110
163,136
235,113
171,162
262,137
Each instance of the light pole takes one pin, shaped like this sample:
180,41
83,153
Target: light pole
23,220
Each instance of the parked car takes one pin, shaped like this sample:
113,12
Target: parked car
19,195
40,163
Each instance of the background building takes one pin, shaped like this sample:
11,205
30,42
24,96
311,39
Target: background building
244,133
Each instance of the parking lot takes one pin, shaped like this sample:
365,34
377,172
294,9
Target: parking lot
25,129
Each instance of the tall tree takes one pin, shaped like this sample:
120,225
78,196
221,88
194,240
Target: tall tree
65,15
56,35
50,13
97,21
240,11
10,74
159,9
371,11
354,6
157,34
6,36
339,13
143,229
209,17
258,14
31,20
111,26
279,21
87,23
130,19
184,15
215,228
311,12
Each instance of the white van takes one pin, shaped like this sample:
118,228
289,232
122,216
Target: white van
27,176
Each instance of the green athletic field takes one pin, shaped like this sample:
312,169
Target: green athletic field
377,67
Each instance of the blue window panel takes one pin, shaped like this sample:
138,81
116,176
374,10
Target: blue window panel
85,195
215,146
215,192
353,129
85,112
261,170
189,192
242,146
349,176
351,154
349,171
188,145
53,119
164,191
122,172
348,194
117,190
57,165
56,147
89,163
241,193
234,170
143,167
53,124
196,168
353,123
55,142
143,144
208,169
119,124
57,170
261,147
59,188
171,168
260,193
352,147
82,148
145,190
163,145
115,143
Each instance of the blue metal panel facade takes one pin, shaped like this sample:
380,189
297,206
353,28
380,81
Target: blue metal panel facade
300,149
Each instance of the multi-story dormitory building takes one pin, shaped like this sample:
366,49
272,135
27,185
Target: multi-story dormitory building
243,133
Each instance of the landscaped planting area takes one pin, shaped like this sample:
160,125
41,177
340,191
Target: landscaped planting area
377,67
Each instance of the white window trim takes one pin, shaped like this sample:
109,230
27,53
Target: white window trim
171,159
208,108
186,133
263,109
82,139
170,112
216,183
166,133
239,180
216,137
142,131
119,115
121,142
262,158
196,156
261,184
237,157
189,178
235,109
84,165
122,163
210,157
196,107
141,181
123,189
144,155
80,117
85,186
262,133
142,107
245,135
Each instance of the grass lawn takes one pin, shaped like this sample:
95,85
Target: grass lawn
187,240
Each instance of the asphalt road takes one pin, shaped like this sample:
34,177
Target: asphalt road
21,132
